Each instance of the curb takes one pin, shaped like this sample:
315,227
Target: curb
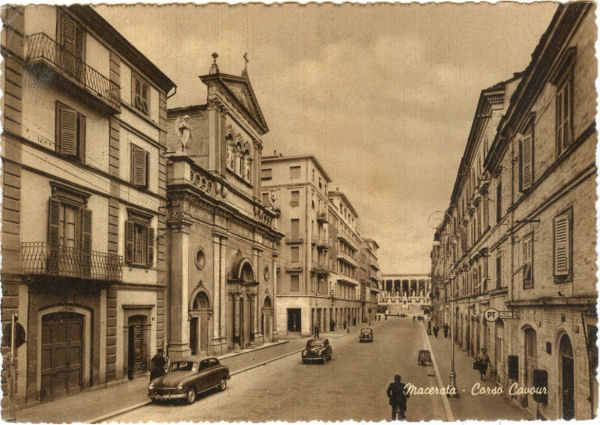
445,402
230,355
119,412
237,372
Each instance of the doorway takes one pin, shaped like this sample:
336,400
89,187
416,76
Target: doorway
567,387
199,333
62,355
294,320
136,362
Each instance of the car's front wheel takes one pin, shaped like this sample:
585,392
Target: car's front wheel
223,384
191,395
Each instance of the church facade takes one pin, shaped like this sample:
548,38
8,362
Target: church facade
223,242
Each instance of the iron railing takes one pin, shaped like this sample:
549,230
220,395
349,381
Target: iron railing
42,258
40,46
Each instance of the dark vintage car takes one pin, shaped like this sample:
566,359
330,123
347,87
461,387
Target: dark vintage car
424,358
317,349
366,335
186,379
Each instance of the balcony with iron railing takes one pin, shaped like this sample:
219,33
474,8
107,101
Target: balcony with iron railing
322,217
50,61
42,258
323,243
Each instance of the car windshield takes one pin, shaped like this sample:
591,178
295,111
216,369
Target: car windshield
316,343
183,366
366,331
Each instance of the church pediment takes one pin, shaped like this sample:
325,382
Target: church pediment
240,89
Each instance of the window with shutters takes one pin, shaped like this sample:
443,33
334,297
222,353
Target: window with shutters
294,283
526,162
499,271
139,240
266,174
499,201
139,166
295,172
141,93
71,52
528,261
295,254
295,198
70,132
295,229
563,266
564,114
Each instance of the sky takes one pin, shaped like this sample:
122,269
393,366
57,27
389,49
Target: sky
383,95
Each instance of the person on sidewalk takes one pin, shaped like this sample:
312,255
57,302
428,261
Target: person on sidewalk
435,330
483,360
158,365
398,397
316,331
446,329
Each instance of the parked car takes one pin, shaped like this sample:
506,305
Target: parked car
185,379
424,358
366,335
317,349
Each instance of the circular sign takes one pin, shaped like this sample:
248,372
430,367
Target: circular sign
491,314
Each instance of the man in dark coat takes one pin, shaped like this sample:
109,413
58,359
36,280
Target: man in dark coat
398,397
158,365
435,330
446,329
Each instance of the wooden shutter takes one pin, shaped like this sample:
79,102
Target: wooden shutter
145,90
81,136
137,92
66,130
53,221
139,162
86,230
562,245
129,228
527,259
150,246
526,172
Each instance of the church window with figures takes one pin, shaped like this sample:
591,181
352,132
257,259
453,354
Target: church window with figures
239,156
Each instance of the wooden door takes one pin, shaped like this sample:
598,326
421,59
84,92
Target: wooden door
136,363
567,390
62,355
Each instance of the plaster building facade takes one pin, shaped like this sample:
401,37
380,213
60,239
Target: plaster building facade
405,293
84,192
344,280
534,258
370,279
224,243
300,185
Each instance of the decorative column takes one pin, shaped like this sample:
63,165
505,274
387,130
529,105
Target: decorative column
236,334
223,285
274,300
255,302
216,287
179,342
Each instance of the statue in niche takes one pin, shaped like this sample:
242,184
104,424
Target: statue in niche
275,200
184,133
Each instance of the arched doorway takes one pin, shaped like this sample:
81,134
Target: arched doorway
136,346
61,354
199,331
528,359
267,319
566,388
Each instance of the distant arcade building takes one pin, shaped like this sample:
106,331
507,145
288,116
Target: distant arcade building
405,293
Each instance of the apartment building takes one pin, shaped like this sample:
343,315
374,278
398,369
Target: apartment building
84,192
299,185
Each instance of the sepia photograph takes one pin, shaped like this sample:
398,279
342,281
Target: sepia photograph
294,212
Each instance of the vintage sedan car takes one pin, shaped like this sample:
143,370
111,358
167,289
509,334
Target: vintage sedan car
424,358
366,335
187,378
317,349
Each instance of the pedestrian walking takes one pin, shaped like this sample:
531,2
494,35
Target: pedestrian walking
435,330
398,397
483,361
158,365
446,329
316,330
428,328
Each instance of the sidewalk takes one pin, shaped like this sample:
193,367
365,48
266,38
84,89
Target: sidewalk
468,406
98,403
